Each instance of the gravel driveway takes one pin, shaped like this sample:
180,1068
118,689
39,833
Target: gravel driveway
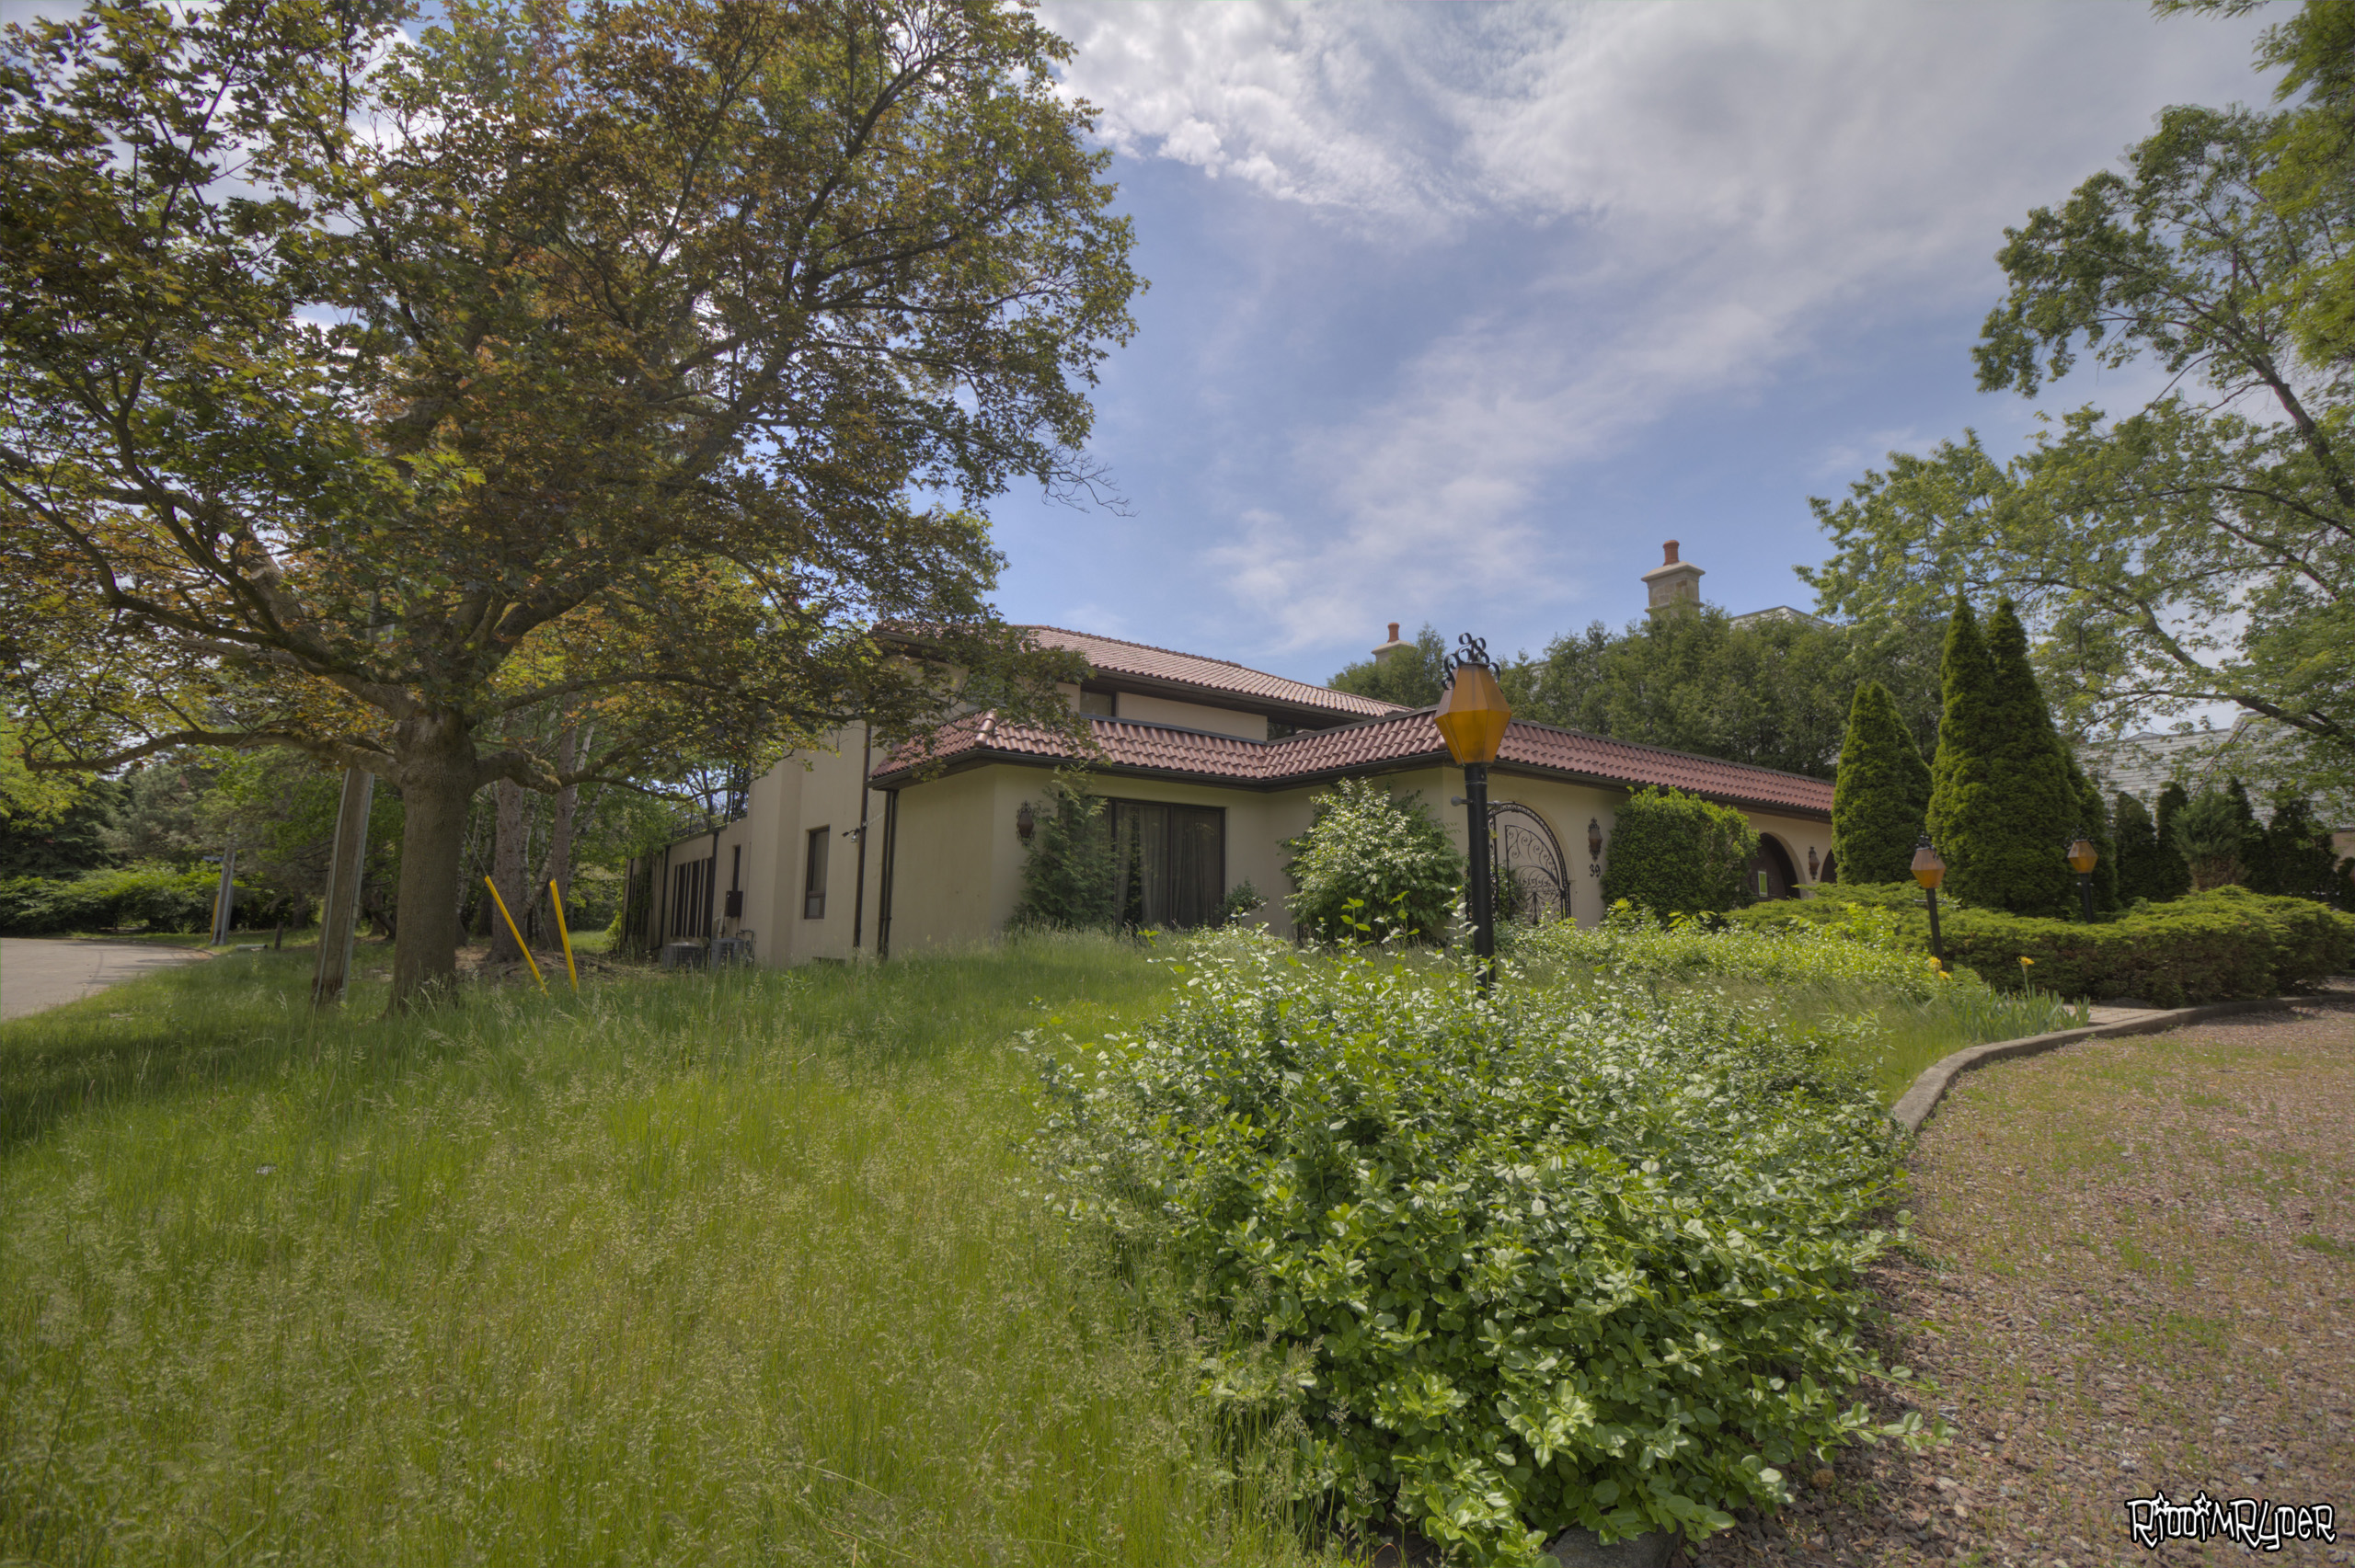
36,974
2135,1272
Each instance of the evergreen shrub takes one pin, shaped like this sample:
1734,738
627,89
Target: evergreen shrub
2142,871
1676,854
1503,1262
2211,946
1882,794
2212,833
1372,865
2001,808
146,895
2174,872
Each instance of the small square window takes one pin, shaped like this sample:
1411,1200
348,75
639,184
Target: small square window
813,876
1103,705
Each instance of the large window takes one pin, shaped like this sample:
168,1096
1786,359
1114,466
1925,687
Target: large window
813,876
1171,860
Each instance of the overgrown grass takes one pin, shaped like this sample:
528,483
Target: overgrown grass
709,1268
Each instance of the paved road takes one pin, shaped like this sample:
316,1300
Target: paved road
36,974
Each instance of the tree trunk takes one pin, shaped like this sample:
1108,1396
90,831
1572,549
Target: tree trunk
558,867
438,776
507,871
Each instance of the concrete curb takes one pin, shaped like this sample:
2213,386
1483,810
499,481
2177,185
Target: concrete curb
1919,1101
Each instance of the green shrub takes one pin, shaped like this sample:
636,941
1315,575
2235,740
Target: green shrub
1372,865
1865,947
2213,947
2212,833
1071,879
2172,878
2142,872
149,895
1676,854
1499,1264
2001,808
1882,795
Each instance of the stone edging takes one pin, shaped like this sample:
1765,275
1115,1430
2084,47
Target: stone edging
1919,1101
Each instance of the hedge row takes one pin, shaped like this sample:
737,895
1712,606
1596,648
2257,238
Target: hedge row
2211,946
160,898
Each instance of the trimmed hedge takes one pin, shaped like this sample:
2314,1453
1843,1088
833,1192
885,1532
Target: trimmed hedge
1677,853
160,897
2213,947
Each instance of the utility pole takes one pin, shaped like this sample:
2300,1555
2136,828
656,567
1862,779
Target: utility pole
339,911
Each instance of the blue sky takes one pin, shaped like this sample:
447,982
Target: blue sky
1457,312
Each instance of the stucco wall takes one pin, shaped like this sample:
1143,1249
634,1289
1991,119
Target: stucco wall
1139,709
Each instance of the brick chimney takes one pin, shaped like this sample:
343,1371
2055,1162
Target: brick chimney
1674,585
1393,646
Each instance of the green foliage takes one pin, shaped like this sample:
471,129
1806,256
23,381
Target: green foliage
1882,798
77,836
2174,871
2001,809
1070,879
1242,901
2093,821
2208,947
1774,693
1865,946
2299,861
2142,873
2212,833
2225,504
145,895
1676,854
1500,1263
1413,677
1372,865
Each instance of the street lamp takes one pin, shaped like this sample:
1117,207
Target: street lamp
1929,871
1472,718
2082,859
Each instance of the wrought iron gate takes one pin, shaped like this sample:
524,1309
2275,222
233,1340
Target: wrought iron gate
1533,879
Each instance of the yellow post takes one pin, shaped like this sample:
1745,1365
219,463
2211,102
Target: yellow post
556,899
513,932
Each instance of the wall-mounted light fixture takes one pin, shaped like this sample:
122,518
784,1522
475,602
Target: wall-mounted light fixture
1814,865
1025,822
1593,847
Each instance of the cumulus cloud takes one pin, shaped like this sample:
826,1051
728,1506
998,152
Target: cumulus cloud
1696,195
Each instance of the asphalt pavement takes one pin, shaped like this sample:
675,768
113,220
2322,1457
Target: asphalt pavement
37,973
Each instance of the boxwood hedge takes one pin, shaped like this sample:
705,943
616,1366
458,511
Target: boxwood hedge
2211,946
1494,1265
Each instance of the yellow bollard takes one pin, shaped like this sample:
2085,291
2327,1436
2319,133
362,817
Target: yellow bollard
556,899
517,934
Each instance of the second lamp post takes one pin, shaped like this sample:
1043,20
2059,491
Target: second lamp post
1472,718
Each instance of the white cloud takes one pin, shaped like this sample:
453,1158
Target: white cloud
1702,191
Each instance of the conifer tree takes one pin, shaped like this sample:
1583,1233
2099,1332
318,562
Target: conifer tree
2257,871
2093,821
2001,809
2298,855
2174,872
2140,873
1882,794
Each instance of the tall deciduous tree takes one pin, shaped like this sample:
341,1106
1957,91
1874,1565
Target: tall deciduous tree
2198,550
360,392
1883,796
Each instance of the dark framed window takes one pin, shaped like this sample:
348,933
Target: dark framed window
813,876
1103,705
1170,861
691,899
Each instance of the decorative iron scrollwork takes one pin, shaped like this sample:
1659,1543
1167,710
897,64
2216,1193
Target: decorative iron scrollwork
1533,877
1471,650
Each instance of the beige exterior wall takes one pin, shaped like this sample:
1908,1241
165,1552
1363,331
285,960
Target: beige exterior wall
1139,709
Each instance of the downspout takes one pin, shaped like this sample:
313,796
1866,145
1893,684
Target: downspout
663,906
858,889
890,856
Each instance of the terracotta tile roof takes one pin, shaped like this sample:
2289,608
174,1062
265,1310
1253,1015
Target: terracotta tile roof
1112,656
1405,738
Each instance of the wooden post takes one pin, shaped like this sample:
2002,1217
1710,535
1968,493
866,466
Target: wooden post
225,902
340,910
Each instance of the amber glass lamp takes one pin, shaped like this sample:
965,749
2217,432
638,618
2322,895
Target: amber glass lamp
2082,859
1472,715
1929,871
1472,718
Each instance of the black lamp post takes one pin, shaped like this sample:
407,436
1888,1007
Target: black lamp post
2082,859
1929,871
1472,718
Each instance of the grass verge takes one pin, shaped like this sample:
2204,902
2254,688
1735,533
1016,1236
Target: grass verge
709,1268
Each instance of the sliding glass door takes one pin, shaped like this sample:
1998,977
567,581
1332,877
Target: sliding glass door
1171,863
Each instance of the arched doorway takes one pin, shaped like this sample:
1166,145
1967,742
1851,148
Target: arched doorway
1831,868
1771,874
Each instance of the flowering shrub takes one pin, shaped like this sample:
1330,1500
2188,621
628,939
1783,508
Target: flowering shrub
1372,863
1496,1264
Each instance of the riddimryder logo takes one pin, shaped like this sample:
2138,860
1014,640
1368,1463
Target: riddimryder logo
2256,1524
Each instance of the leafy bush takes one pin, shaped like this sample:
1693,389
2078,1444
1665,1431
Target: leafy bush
2209,946
1864,947
1373,860
2212,833
160,897
1070,881
1496,1264
1676,854
1242,901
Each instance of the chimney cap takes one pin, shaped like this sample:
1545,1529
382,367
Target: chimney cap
1393,646
1669,555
